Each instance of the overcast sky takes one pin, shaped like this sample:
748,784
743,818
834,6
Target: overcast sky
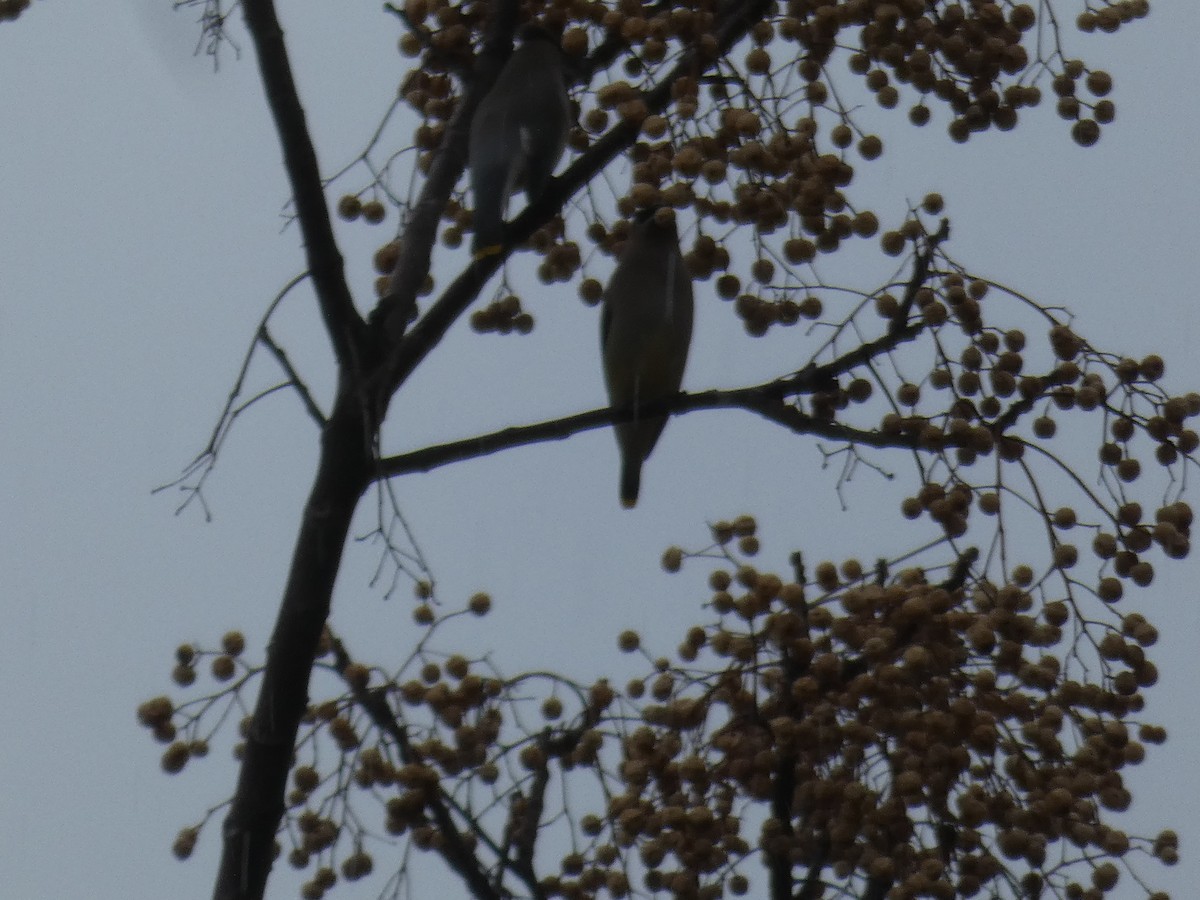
140,240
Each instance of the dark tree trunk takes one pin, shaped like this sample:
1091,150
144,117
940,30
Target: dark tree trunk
342,475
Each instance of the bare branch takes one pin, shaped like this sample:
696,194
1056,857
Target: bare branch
454,850
342,321
530,818
314,411
191,480
762,399
920,274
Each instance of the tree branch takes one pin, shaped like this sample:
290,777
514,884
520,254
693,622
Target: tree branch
281,357
920,273
762,399
342,321
900,330
454,850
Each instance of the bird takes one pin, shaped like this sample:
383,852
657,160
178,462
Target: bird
645,333
518,133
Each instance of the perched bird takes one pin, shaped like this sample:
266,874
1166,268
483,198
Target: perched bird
518,133
645,331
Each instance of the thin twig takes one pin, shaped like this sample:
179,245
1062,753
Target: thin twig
314,411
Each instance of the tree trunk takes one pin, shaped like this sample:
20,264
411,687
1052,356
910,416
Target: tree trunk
342,475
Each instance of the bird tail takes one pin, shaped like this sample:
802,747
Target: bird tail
631,481
488,219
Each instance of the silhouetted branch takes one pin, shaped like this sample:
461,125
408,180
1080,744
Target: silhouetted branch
191,480
526,831
310,405
453,849
899,331
920,274
342,321
429,458
768,399
962,568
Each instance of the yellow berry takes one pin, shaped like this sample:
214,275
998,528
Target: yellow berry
175,757
349,207
223,667
233,642
373,211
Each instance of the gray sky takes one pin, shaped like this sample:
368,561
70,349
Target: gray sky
140,239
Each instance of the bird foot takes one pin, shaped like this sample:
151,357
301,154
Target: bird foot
485,252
